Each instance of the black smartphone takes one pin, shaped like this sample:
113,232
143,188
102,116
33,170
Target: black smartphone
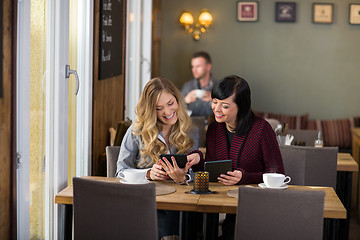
181,159
215,168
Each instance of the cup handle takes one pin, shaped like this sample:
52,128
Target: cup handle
287,179
121,174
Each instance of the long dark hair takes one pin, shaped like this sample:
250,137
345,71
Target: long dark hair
235,84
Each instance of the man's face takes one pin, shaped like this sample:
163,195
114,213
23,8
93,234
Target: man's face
200,68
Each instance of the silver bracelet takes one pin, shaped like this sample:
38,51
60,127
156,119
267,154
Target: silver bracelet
186,181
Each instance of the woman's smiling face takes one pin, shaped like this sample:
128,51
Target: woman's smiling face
166,108
225,110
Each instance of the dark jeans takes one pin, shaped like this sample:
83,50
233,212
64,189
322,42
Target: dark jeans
228,227
168,223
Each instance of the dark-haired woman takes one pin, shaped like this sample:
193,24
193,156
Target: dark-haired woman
237,134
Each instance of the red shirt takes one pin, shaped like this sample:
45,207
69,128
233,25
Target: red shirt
259,154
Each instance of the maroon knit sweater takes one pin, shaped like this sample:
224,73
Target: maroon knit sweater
260,152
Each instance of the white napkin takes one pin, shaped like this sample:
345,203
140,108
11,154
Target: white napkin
285,140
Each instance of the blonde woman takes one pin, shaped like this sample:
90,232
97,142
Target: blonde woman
162,126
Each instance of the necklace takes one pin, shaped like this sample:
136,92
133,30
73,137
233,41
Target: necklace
230,129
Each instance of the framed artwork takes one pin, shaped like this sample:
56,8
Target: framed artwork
354,13
323,13
285,11
247,11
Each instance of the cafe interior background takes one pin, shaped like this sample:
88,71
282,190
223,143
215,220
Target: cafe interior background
292,68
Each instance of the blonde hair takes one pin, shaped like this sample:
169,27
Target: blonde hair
148,126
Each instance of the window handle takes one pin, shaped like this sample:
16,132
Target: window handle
69,71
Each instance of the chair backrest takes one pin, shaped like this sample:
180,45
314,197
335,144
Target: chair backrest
112,154
308,136
273,122
310,166
199,123
321,166
122,127
279,214
294,163
110,210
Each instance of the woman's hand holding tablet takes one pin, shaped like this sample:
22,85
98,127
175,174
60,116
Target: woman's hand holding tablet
215,168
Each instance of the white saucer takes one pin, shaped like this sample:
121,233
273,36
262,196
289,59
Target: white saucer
262,185
126,182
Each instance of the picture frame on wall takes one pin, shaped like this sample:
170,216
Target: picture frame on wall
323,13
247,11
285,11
354,13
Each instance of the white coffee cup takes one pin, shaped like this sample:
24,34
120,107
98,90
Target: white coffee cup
275,179
133,175
200,93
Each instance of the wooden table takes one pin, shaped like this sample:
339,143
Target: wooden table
356,180
346,168
222,203
356,143
219,202
166,202
347,163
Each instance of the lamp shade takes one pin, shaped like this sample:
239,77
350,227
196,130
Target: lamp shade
186,18
205,18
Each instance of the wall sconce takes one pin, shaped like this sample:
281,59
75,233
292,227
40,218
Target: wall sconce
203,23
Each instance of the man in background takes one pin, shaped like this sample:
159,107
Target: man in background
197,92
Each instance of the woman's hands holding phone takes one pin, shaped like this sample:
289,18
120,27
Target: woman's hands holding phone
173,170
157,173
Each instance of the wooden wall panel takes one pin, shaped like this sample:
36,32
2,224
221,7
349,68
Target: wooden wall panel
7,121
108,101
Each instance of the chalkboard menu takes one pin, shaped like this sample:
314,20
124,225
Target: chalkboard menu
1,50
111,38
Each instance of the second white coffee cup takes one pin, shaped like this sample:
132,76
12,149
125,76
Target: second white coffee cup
275,179
133,175
200,93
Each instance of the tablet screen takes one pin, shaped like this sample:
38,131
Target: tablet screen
215,168
181,159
